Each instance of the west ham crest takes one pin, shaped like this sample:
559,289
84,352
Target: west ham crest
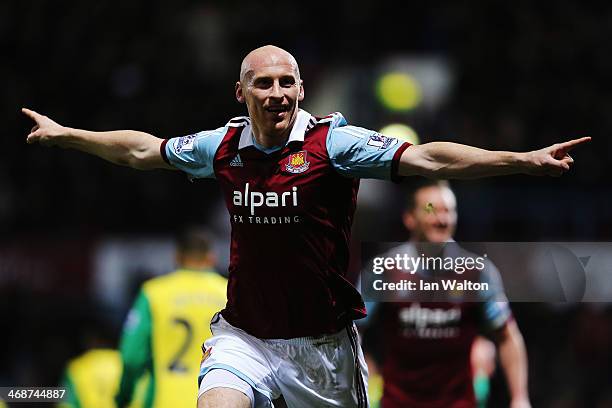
297,162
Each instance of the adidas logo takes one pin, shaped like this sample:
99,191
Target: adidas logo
236,162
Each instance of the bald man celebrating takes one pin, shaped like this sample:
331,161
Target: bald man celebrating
290,183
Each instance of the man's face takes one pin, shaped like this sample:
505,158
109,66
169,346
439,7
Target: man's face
271,92
434,217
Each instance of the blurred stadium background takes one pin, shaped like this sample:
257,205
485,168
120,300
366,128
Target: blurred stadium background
78,235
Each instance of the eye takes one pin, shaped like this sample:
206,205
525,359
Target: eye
287,82
262,83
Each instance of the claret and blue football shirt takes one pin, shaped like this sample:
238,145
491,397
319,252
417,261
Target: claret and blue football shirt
291,210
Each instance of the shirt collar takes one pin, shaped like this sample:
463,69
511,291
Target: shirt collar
296,135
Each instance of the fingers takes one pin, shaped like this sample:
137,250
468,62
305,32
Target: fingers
34,134
567,146
33,137
35,116
559,151
567,159
564,163
39,131
556,168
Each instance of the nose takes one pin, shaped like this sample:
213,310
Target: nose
276,91
442,217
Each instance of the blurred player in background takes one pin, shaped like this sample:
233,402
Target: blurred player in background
424,348
290,184
92,378
167,324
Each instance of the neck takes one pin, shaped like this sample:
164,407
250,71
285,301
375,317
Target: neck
196,266
272,138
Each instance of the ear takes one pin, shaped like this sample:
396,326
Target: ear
239,94
301,94
409,220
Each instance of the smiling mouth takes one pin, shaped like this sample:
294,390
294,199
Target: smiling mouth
278,109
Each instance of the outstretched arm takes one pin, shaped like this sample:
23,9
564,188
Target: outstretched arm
124,147
513,358
456,161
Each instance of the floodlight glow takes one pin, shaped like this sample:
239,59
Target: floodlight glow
402,132
398,91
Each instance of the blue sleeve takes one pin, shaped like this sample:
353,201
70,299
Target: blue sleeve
362,153
194,154
495,307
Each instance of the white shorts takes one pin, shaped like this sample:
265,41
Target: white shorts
324,371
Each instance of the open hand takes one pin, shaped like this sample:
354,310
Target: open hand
45,131
553,160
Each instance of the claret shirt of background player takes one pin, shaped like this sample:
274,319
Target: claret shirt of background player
291,210
424,347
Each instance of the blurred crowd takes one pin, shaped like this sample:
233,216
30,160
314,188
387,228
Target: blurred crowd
526,74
